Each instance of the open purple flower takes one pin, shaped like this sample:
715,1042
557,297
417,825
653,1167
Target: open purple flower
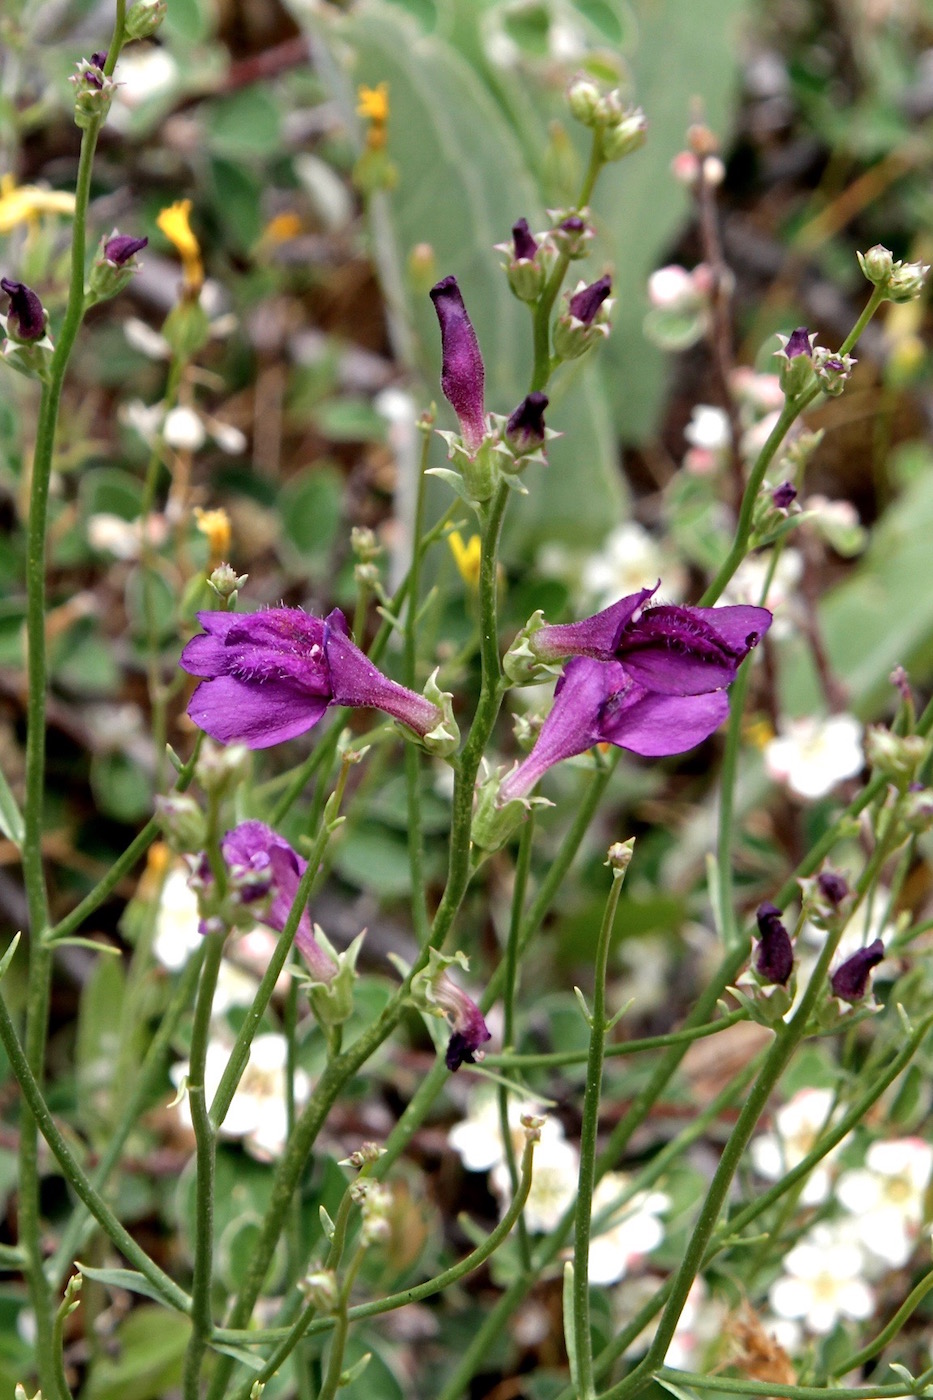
669,648
269,676
601,702
850,980
462,373
774,957
26,316
262,863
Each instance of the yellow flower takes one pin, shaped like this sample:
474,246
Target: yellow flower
215,524
175,223
20,204
466,557
373,103
282,227
758,732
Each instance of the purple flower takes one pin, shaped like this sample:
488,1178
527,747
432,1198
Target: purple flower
600,702
832,886
121,247
784,495
269,676
774,958
462,373
669,648
850,980
26,314
468,1029
523,241
585,303
524,432
798,343
261,862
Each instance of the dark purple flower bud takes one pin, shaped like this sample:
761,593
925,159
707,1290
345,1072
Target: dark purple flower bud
669,648
798,343
99,59
598,702
26,314
850,980
121,247
269,676
784,495
524,432
462,373
573,225
585,303
523,240
774,959
468,1029
832,886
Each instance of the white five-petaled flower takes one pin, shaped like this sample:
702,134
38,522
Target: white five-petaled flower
812,755
257,1113
621,1237
823,1282
797,1125
886,1197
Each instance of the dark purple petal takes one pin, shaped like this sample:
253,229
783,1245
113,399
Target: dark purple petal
524,432
850,980
798,343
585,303
573,224
461,1049
774,958
832,886
784,495
357,682
656,726
462,374
598,636
25,310
234,711
523,240
99,59
121,247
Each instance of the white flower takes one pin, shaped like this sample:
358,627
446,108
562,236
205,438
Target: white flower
671,288
624,1235
556,1163
183,429
748,581
886,1197
758,394
257,1112
797,1125
823,1282
812,755
700,1323
144,72
630,560
111,534
708,428
176,922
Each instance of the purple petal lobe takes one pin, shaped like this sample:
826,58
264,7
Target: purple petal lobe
585,303
234,711
688,651
524,432
598,636
462,374
784,495
850,980
798,343
121,247
523,240
833,886
655,726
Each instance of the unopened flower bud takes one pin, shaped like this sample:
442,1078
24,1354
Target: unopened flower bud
796,354
364,544
877,264
219,768
897,756
525,430
832,886
93,91
525,267
784,495
774,958
462,374
571,233
624,136
225,581
368,1152
183,822
144,19
320,1288
906,281
375,1203
585,320
26,318
619,856
114,266
583,99
832,371
850,980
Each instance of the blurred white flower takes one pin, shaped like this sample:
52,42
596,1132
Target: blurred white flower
700,1323
812,755
823,1282
755,437
708,428
758,394
630,559
748,581
112,534
673,288
626,1235
886,1197
797,1125
478,1141
257,1111
183,429
176,923
145,71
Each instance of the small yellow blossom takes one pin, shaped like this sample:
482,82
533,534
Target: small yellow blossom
158,861
175,223
215,524
373,106
758,732
466,557
282,227
20,204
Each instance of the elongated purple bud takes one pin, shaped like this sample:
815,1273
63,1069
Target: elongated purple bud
524,432
585,303
523,240
850,980
123,246
26,316
462,373
774,959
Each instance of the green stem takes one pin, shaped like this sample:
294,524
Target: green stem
508,1007
733,1385
913,1300
206,1152
341,1331
727,781
556,1059
588,1133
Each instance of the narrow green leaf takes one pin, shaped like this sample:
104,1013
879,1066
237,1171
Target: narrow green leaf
129,1279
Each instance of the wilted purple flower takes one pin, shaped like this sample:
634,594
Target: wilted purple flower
523,241
584,304
774,958
26,313
269,676
850,980
121,247
669,648
798,343
261,862
468,1029
600,702
832,886
524,432
784,495
462,373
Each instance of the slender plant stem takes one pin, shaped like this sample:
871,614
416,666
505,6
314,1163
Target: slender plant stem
588,1132
733,1385
338,1342
556,1059
727,781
